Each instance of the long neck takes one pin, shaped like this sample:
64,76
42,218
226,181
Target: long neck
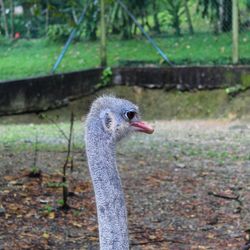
111,209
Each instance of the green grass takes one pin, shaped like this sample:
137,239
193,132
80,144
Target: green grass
22,137
23,58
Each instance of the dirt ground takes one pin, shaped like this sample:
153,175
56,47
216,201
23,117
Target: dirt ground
186,186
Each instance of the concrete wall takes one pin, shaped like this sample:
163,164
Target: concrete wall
42,93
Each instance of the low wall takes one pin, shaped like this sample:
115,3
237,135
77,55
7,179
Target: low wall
42,93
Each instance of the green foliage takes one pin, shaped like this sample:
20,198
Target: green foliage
58,32
39,17
235,89
4,41
120,23
245,85
91,21
60,202
209,8
35,171
175,10
106,78
248,4
48,209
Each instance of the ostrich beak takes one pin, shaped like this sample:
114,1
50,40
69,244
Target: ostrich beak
142,127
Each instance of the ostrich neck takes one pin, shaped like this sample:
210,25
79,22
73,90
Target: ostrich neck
111,209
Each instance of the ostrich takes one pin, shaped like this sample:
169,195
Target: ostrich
109,120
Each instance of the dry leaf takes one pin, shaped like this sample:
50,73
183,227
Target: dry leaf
52,215
152,237
13,207
9,177
77,224
30,213
45,235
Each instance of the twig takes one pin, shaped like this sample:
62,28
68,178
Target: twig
36,151
69,143
55,124
64,181
227,197
156,241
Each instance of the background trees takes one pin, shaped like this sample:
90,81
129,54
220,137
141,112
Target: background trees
219,12
55,18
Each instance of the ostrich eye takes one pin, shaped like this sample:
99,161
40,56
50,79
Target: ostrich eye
130,115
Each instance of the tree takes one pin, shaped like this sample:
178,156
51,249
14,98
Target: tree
175,10
12,31
91,20
6,29
156,26
122,24
219,12
226,16
248,4
188,16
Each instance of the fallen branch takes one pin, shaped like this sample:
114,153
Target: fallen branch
157,241
227,197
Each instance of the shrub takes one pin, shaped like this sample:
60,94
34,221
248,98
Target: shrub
58,32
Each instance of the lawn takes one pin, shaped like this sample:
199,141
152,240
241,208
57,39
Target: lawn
28,58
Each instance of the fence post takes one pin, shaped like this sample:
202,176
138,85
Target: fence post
235,32
103,47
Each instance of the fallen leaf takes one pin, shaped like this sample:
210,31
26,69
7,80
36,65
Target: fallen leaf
13,207
9,178
52,215
30,213
45,235
152,237
77,224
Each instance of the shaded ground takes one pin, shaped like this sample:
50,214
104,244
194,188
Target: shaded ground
187,187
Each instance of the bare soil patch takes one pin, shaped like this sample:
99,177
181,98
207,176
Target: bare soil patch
187,187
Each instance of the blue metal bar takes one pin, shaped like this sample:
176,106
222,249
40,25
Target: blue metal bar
163,55
72,35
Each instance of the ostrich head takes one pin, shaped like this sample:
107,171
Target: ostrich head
116,118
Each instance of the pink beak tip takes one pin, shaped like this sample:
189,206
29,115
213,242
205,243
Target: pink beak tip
143,127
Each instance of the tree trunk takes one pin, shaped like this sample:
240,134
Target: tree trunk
146,21
47,18
235,38
6,30
12,19
188,16
125,32
218,28
227,16
74,16
113,19
134,30
177,26
156,27
103,47
248,5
